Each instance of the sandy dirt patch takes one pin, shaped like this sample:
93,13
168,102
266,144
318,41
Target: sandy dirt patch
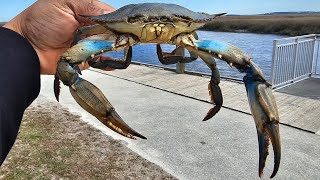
56,144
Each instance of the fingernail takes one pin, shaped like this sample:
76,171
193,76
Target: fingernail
106,12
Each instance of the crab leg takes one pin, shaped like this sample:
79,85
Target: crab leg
213,87
259,92
109,62
86,94
173,58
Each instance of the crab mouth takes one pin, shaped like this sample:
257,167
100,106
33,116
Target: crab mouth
157,32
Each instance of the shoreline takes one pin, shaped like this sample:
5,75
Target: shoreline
287,25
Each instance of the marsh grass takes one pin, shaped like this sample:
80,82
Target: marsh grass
268,24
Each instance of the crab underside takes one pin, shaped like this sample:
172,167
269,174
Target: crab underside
165,24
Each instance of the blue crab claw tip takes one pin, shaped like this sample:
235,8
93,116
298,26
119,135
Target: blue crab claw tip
90,98
56,87
271,132
211,113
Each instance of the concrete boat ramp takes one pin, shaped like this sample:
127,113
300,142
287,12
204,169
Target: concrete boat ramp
168,108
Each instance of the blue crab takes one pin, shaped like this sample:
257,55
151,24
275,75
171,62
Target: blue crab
158,23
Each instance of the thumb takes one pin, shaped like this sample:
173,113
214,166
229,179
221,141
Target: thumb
89,7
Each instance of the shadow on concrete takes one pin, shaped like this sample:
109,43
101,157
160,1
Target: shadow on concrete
308,88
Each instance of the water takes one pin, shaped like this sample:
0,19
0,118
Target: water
258,46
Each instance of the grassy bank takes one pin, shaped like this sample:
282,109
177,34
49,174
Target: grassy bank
55,144
268,24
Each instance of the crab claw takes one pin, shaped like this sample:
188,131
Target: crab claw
215,93
89,97
56,87
265,114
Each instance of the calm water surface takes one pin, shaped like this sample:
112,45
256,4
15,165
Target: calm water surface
258,46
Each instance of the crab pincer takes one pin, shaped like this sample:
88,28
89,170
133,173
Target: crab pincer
90,98
266,117
87,95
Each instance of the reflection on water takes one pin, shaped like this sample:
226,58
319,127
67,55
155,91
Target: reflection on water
258,46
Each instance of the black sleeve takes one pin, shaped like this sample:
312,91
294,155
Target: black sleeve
19,85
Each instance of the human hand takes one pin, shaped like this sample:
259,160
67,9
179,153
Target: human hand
50,26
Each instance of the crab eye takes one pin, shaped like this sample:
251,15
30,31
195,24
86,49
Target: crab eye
136,18
154,19
166,19
183,18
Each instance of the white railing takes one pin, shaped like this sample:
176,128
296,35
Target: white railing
294,58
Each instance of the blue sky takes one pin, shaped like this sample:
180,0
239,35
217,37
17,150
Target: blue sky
10,8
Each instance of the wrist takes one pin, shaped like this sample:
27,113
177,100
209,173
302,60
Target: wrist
14,25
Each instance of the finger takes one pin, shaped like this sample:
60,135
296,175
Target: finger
89,7
105,7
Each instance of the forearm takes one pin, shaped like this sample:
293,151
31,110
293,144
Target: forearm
20,79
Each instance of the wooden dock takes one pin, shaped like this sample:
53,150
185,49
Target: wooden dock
295,111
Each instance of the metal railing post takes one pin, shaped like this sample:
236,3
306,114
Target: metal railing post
180,67
317,59
295,59
274,55
313,54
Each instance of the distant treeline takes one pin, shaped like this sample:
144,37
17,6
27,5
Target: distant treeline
294,24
